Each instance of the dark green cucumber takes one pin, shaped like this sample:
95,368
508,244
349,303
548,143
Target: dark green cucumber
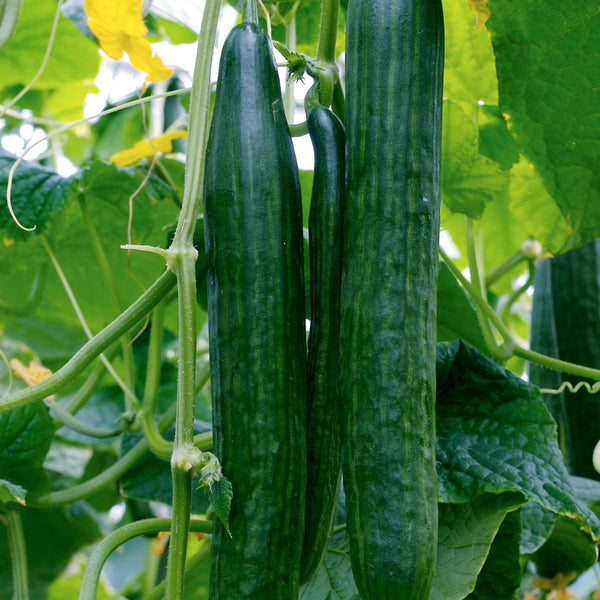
254,245
542,338
568,290
394,71
324,453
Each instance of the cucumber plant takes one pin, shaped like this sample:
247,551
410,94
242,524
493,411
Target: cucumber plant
428,507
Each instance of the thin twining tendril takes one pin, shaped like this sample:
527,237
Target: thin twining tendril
569,387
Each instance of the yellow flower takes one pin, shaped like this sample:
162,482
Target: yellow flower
558,582
119,27
482,10
32,374
147,148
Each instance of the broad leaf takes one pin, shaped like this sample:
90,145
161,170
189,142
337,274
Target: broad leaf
469,180
9,492
456,317
548,67
495,435
501,573
25,437
465,534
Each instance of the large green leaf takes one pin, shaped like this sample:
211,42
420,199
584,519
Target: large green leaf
501,573
495,435
466,532
469,67
72,65
456,317
548,68
469,180
107,190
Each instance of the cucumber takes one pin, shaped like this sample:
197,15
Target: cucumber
389,295
254,246
571,295
324,454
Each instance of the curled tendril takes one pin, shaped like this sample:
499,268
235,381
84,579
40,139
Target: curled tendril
573,389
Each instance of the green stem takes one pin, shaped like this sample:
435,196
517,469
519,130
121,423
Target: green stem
514,296
474,252
159,446
91,574
111,286
18,553
100,342
328,31
192,566
182,259
250,11
66,418
504,267
339,101
510,342
289,99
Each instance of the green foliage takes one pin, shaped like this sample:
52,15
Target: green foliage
519,166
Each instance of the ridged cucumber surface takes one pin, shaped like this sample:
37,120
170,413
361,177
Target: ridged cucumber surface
324,463
254,249
394,71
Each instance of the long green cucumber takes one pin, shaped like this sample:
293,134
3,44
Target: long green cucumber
573,299
542,338
394,70
324,453
254,245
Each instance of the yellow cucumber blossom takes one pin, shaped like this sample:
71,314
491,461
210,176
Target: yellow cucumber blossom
147,148
119,27
32,374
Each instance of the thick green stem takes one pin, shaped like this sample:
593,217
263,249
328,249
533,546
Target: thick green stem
182,259
289,99
91,575
18,553
328,31
111,286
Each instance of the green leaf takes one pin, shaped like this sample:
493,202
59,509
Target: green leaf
469,66
534,209
9,492
548,68
465,534
501,573
107,190
38,195
25,437
557,543
456,317
469,180
72,65
495,435
220,494
495,140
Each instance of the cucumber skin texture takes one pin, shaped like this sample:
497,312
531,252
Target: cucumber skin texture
324,453
254,249
568,287
389,293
